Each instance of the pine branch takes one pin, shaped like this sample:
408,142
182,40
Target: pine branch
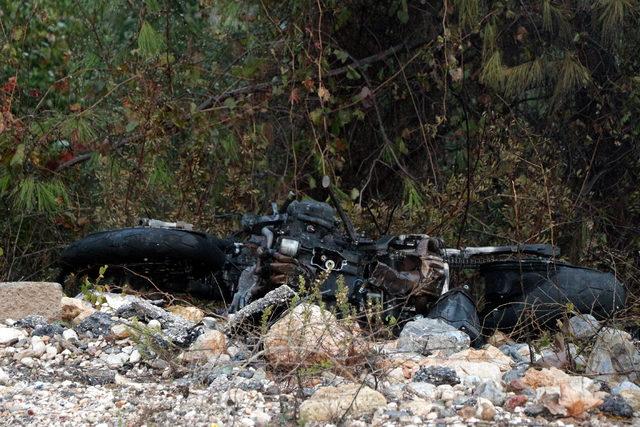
255,88
264,86
81,158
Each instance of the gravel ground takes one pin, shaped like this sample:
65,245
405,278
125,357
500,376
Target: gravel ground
100,372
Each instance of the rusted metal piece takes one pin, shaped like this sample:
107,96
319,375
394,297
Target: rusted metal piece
283,267
279,279
284,258
418,273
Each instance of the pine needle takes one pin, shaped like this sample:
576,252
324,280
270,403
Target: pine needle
5,182
555,19
572,75
36,196
489,40
611,16
150,43
25,195
523,77
547,19
468,12
492,73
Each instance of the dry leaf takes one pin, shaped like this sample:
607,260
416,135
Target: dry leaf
308,84
324,94
521,33
10,85
577,402
551,402
484,99
366,96
294,96
456,74
365,92
341,145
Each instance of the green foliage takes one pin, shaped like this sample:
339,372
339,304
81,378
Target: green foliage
342,298
611,16
264,320
571,76
315,369
36,196
412,198
88,288
468,12
149,344
150,43
483,122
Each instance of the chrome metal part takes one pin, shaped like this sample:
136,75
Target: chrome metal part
289,247
268,234
447,275
156,223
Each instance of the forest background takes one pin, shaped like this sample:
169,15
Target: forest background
484,122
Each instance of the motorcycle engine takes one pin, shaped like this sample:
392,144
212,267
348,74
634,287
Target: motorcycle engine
312,236
308,241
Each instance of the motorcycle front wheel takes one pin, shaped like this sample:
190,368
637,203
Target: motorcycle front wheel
166,258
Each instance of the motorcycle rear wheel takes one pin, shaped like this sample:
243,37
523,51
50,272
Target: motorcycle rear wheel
537,292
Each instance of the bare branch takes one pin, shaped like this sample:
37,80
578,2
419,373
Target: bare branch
265,86
86,156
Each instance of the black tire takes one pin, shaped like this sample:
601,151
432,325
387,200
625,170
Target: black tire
540,292
188,255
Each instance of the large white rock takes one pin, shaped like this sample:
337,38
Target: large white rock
553,377
10,335
75,310
135,356
473,365
4,377
614,358
331,403
307,336
582,326
632,397
69,334
38,347
563,394
625,385
115,360
209,345
422,390
120,331
427,336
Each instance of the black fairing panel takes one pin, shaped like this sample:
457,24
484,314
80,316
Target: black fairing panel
541,290
458,309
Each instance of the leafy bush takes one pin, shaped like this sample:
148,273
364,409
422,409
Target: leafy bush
483,122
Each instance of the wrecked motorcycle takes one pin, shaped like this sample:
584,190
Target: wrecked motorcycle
312,242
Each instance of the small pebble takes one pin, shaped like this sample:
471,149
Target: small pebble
135,356
154,324
28,362
70,334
